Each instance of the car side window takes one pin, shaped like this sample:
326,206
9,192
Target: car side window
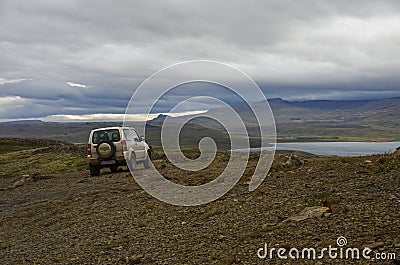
135,136
128,135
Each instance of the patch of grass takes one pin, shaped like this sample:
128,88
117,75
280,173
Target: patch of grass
322,199
8,146
321,195
27,162
390,163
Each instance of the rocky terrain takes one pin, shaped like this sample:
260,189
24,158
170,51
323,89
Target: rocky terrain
53,212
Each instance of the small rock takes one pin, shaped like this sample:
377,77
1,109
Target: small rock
336,208
183,223
279,219
315,211
368,161
392,197
309,212
269,224
293,160
34,177
119,248
135,259
397,245
25,179
375,245
382,160
80,181
327,214
17,184
297,218
235,200
397,152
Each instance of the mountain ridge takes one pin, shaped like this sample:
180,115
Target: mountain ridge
331,120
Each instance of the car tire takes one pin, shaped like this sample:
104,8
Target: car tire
114,169
131,163
94,170
146,163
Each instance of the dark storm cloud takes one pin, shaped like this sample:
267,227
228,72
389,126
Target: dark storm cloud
293,49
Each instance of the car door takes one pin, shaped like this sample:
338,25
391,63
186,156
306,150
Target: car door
138,146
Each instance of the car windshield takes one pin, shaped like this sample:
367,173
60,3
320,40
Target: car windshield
106,135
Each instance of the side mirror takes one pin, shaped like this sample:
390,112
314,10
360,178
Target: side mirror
141,138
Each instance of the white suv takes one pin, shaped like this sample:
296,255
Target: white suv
116,146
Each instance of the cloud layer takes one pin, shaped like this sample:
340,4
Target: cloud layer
86,57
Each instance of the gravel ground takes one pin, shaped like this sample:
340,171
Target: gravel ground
71,218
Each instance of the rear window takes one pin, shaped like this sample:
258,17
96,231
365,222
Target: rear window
106,135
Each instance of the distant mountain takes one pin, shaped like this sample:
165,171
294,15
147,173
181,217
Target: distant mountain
336,111
159,118
354,120
315,120
323,119
346,104
22,122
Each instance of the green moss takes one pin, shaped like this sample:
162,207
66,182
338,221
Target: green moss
8,146
48,163
322,199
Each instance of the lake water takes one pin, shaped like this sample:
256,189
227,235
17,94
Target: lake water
338,148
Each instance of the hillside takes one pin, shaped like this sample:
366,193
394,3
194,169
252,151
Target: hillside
78,132
355,120
320,120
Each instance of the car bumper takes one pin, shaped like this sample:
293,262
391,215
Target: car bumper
119,161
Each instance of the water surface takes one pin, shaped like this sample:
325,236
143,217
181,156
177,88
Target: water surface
338,148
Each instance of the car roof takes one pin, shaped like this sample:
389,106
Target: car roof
111,128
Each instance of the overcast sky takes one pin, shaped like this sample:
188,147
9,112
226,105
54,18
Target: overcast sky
87,57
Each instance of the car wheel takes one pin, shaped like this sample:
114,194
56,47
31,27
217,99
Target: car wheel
114,168
94,170
146,163
131,162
